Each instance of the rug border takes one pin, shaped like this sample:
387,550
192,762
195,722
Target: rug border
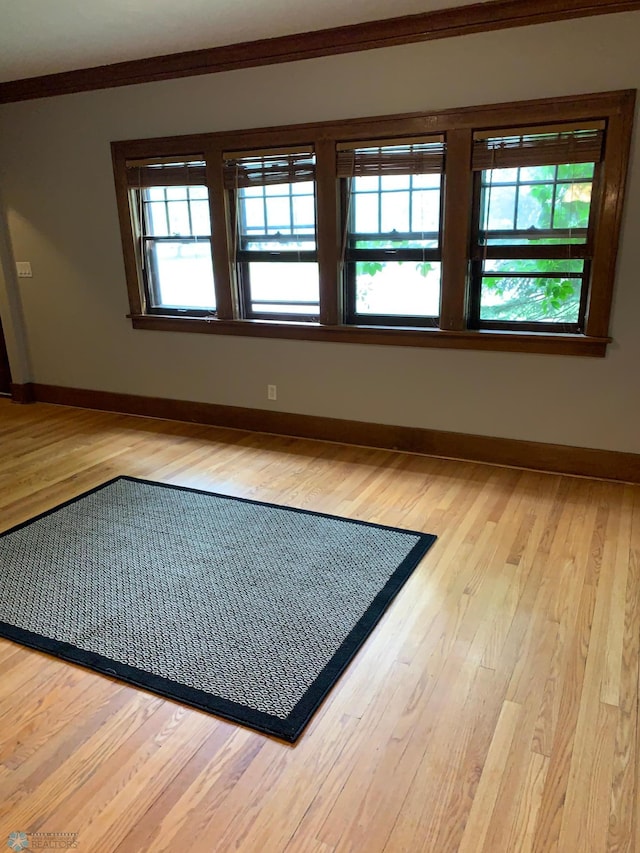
289,728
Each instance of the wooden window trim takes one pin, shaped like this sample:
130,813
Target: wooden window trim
458,126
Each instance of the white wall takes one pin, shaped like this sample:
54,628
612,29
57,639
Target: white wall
55,172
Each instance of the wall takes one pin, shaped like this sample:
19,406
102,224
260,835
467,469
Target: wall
55,171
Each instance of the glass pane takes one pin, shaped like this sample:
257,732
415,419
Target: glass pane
531,290
395,182
156,223
537,265
183,274
398,288
388,242
540,174
254,215
200,218
370,183
179,224
576,171
498,208
535,240
366,213
303,188
198,192
501,176
286,288
155,194
573,203
177,193
534,206
395,211
426,181
276,189
425,210
303,211
278,215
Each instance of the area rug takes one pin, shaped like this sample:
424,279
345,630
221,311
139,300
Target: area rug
244,609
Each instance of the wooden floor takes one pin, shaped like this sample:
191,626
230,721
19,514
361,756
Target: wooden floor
495,707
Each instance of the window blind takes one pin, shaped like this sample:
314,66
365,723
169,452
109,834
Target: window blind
259,168
187,170
537,147
391,157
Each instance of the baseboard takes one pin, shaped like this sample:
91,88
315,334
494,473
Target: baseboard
557,458
22,393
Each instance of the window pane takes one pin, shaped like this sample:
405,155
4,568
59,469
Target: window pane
198,192
303,188
254,215
156,224
303,212
537,173
502,176
531,290
395,182
287,288
278,215
370,183
534,206
398,288
537,265
177,193
395,211
573,203
366,213
182,274
425,210
576,171
200,218
498,208
426,181
179,218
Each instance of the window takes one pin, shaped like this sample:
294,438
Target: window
170,201
534,227
274,232
490,227
391,198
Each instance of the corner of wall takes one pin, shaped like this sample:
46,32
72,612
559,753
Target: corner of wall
11,307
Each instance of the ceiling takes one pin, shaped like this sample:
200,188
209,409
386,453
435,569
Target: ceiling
46,36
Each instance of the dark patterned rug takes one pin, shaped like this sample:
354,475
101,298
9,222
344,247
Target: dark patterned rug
244,609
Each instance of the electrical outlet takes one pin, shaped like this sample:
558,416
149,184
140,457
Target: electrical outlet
23,268
272,392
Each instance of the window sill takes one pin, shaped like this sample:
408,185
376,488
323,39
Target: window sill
534,342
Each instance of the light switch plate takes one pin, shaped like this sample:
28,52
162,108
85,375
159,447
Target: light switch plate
23,269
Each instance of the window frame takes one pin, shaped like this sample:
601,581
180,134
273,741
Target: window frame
455,328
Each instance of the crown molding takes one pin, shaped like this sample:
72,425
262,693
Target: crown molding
443,23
